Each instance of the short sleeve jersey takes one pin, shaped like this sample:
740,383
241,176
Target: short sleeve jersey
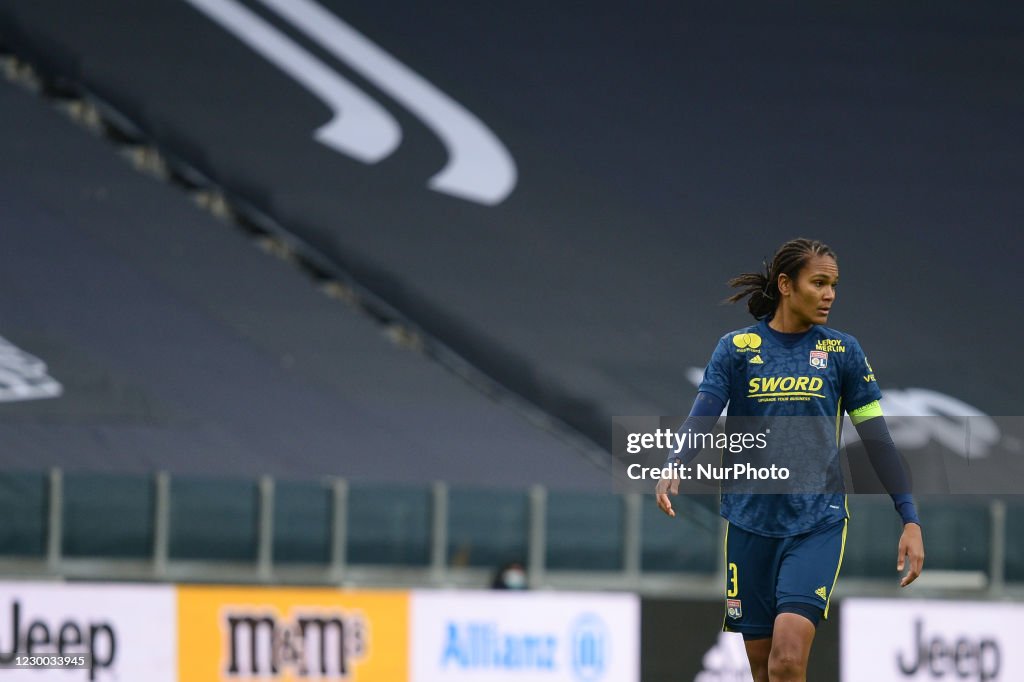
762,373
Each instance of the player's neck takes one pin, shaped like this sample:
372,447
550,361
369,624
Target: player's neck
786,324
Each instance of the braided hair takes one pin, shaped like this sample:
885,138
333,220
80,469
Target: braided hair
763,287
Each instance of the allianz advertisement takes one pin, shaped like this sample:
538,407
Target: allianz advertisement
909,640
502,636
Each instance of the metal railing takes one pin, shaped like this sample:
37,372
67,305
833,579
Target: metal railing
439,569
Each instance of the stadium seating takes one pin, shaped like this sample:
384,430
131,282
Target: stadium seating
474,330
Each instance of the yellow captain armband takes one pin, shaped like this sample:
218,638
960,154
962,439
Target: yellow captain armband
869,411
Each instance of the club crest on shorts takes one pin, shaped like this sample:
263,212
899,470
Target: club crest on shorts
734,608
819,359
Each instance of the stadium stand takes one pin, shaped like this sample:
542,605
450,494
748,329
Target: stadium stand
595,283
181,347
590,290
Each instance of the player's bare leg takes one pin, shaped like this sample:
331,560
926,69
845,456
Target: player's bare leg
757,653
790,648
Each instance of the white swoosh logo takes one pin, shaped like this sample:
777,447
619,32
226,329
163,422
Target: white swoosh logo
360,127
479,167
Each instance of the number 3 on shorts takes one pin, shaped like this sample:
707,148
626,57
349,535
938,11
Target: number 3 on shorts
734,588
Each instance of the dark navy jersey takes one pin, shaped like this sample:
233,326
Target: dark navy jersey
821,373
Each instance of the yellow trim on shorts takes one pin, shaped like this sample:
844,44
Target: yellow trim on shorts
725,551
842,551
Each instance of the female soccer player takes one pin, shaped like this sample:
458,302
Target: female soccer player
784,551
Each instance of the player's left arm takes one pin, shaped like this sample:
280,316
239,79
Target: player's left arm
862,395
885,460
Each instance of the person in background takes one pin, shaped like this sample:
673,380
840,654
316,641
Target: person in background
510,576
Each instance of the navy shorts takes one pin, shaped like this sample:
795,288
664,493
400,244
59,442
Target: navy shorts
764,574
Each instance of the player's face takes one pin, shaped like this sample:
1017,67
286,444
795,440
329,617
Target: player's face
811,296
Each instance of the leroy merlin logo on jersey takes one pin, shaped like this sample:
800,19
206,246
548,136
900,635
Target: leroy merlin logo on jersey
830,345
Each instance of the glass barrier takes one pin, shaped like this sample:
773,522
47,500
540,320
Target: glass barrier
689,542
1015,539
584,531
108,516
957,533
486,528
303,516
213,519
388,524
23,508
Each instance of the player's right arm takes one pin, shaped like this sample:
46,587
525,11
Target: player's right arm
712,396
707,408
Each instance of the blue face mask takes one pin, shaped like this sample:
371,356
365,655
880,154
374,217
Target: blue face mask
514,579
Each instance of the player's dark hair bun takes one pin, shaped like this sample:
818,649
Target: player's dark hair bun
762,288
